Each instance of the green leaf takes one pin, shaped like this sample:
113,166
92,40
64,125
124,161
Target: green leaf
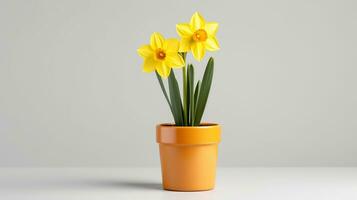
195,98
184,95
204,92
175,98
165,93
190,96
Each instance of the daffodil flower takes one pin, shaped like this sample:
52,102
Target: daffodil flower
197,36
161,55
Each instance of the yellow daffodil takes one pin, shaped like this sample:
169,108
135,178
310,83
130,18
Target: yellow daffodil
161,55
197,36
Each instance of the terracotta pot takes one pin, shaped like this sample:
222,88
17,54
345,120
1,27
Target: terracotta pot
188,156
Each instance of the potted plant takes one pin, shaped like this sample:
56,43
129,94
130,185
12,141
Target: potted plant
188,148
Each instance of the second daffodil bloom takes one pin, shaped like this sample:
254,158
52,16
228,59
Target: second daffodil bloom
197,36
161,55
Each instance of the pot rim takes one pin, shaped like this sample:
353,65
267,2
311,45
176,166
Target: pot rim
207,133
202,125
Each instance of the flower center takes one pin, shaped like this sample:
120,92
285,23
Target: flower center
200,35
160,54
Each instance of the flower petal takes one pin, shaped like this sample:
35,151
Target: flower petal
198,50
184,30
174,60
145,51
150,65
197,21
156,41
171,45
185,44
212,44
163,70
211,28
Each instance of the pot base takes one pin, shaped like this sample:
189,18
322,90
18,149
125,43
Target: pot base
172,190
188,167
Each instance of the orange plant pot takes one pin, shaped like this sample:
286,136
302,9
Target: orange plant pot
188,156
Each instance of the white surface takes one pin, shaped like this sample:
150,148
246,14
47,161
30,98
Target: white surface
144,183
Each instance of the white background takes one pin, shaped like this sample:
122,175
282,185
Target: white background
72,92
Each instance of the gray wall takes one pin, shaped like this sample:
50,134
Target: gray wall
72,92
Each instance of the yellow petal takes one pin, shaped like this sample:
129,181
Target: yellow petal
184,30
174,60
145,51
163,70
171,45
212,44
150,65
185,44
156,41
211,28
198,50
197,21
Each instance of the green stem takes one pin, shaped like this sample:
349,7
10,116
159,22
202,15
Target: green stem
184,90
165,94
